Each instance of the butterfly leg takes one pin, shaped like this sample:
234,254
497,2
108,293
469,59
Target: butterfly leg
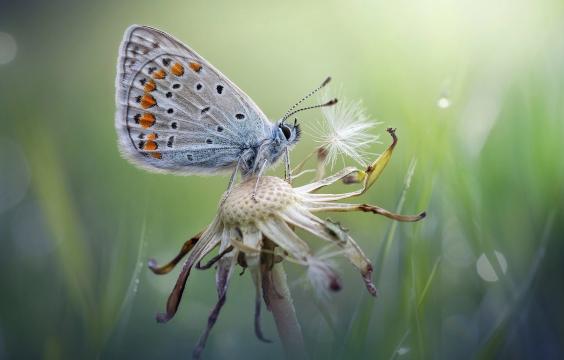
287,169
261,170
231,183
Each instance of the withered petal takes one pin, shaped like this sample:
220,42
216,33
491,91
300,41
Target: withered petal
207,242
311,223
258,299
224,271
165,269
215,259
340,207
282,235
326,181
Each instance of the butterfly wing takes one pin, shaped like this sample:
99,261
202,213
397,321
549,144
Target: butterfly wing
176,112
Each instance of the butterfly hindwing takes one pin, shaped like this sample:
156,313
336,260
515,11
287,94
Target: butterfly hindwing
178,113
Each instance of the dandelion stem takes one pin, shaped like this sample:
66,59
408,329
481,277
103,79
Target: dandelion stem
281,305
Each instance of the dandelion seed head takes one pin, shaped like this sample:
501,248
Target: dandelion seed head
273,194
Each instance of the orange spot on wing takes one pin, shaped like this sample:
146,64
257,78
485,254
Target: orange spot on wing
177,69
150,145
147,120
195,66
147,101
159,74
150,86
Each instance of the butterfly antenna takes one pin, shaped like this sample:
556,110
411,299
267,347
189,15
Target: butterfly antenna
289,112
328,103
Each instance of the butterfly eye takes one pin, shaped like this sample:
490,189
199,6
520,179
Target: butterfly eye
286,131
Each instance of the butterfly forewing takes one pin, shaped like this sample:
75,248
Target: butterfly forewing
178,113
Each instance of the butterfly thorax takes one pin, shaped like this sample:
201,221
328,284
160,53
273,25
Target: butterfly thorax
270,150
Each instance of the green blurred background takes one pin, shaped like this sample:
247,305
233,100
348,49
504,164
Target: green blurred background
475,89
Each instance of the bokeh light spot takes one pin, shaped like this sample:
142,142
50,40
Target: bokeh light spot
455,245
443,102
485,268
8,48
402,351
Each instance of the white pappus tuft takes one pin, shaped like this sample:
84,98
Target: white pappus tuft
323,277
345,131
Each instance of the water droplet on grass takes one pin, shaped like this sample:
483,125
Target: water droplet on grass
135,286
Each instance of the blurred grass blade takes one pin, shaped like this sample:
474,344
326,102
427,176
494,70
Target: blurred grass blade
355,338
398,346
413,306
428,283
113,310
56,202
491,343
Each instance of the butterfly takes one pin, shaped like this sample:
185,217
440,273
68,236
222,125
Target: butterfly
176,113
